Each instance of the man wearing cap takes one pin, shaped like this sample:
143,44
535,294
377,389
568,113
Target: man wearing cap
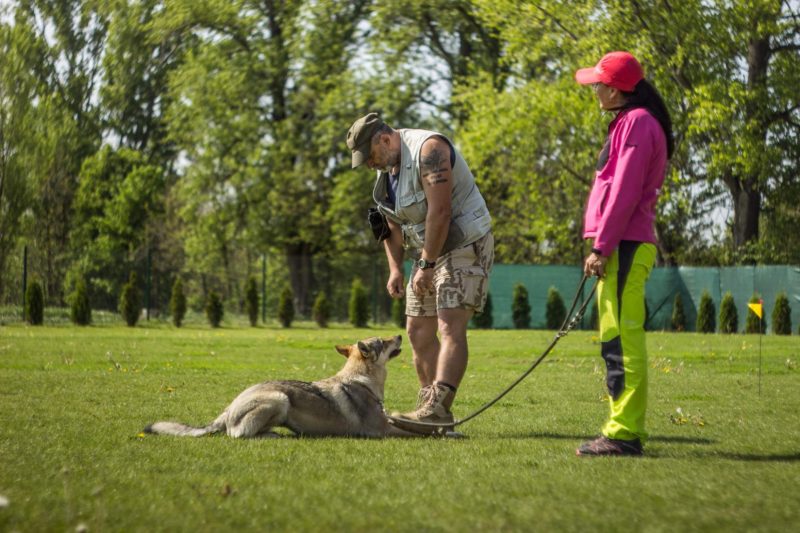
433,208
620,221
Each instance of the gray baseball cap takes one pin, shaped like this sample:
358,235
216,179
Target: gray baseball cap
359,137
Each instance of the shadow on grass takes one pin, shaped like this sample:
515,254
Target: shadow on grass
540,435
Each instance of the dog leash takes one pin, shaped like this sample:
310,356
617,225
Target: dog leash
568,325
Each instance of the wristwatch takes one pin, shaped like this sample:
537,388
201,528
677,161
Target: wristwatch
424,265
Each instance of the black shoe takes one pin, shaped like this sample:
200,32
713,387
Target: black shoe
604,446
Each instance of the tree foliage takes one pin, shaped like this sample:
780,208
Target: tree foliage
130,301
555,311
321,310
706,322
80,309
251,301
782,316
286,307
484,320
520,307
177,303
678,321
728,317
34,304
214,309
754,324
358,308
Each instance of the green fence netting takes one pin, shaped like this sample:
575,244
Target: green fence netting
664,283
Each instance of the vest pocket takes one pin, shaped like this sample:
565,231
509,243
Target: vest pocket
413,206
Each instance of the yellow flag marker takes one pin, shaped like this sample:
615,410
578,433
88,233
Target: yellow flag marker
758,309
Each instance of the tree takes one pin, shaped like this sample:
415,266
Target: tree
754,324
251,301
728,317
119,200
286,307
177,303
555,312
130,301
484,320
399,312
34,304
782,316
358,308
321,310
520,307
706,322
214,309
678,314
80,308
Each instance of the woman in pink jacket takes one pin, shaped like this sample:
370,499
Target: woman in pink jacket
619,218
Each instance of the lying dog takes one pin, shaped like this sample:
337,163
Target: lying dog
347,404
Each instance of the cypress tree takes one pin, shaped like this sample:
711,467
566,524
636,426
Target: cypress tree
251,301
177,303
782,316
728,317
555,312
358,310
753,324
520,307
34,304
286,307
80,312
214,309
705,315
484,320
130,301
399,312
321,310
678,314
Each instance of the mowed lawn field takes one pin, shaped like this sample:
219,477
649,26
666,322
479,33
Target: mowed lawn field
721,457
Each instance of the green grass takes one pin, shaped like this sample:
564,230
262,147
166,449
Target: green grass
74,400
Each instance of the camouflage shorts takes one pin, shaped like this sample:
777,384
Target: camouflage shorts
460,280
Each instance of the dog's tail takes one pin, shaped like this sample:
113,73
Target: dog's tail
183,430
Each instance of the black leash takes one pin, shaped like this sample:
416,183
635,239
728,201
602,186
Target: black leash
570,322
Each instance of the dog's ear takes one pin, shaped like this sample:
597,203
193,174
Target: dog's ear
366,350
343,349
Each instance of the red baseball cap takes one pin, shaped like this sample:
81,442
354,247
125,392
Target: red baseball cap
616,69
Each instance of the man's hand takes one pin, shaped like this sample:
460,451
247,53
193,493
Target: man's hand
422,282
595,265
395,285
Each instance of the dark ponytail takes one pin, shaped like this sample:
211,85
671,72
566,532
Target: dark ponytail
645,95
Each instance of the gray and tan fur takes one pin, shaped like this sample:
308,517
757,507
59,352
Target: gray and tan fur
349,403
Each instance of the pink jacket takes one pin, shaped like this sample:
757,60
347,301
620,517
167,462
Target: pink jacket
622,203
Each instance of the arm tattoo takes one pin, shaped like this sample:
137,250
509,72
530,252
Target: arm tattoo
433,165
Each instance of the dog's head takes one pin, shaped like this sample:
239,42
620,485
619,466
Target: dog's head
375,349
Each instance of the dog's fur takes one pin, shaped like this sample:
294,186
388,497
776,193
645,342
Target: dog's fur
347,404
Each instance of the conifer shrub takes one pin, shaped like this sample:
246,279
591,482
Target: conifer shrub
214,309
286,307
555,311
728,317
706,323
484,320
782,316
321,310
358,310
251,301
34,304
177,303
399,312
678,314
753,324
130,301
80,311
594,315
520,307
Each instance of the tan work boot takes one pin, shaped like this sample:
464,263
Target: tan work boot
433,406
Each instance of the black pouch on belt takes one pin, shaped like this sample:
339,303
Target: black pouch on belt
378,224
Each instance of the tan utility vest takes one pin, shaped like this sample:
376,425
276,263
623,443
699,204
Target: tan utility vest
470,218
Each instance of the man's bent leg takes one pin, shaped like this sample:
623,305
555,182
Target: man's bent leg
454,352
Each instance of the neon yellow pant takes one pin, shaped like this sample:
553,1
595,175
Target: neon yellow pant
620,299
